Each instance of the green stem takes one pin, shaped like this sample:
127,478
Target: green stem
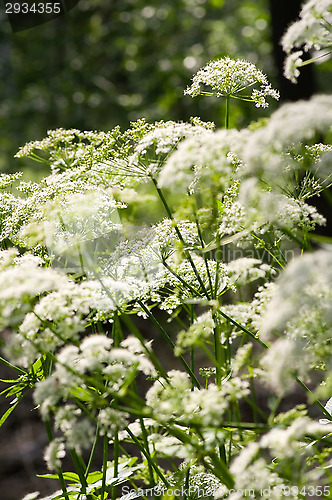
92,453
116,462
209,354
227,113
219,467
217,350
316,401
199,232
244,329
9,365
105,459
253,393
58,470
170,342
146,444
313,59
179,235
148,457
80,471
187,285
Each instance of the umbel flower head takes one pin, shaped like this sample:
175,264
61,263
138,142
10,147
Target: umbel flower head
311,31
230,78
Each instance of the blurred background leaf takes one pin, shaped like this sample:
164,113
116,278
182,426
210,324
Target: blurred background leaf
107,63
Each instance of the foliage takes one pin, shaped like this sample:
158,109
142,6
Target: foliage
226,276
105,63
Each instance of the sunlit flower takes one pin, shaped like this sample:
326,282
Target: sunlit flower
229,78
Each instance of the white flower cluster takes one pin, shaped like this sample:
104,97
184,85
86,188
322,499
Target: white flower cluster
72,142
44,307
292,124
263,208
80,217
209,159
165,136
198,332
110,367
300,309
246,270
95,355
174,398
288,445
311,31
7,180
21,280
229,77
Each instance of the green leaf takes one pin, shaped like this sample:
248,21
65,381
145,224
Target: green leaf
93,477
9,381
8,412
81,394
68,476
10,365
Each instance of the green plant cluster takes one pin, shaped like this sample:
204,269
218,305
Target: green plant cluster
160,280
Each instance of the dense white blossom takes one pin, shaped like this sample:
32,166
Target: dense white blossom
300,309
291,125
311,31
175,398
229,77
246,270
198,332
287,443
204,161
54,453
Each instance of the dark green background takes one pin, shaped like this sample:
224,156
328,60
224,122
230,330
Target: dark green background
109,62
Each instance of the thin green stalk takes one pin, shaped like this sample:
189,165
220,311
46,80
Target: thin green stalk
80,469
116,462
81,258
255,407
117,335
313,59
187,285
227,113
148,457
230,448
146,444
243,328
58,470
204,253
92,453
105,460
132,327
192,359
179,235
219,467
217,351
253,393
316,401
170,342
269,251
9,365
187,483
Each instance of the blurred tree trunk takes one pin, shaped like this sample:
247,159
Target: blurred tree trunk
283,13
